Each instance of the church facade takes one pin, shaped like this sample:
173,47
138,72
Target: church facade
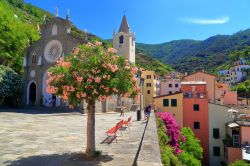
56,42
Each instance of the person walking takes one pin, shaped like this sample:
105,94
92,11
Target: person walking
122,109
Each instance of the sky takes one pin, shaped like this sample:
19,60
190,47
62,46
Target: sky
155,21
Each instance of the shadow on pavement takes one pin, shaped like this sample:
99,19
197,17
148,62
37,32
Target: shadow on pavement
67,159
42,110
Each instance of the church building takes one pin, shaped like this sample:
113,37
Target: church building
56,41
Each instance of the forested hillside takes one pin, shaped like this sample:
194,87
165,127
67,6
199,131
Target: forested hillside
191,55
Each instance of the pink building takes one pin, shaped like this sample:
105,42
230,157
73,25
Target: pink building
170,86
238,139
224,96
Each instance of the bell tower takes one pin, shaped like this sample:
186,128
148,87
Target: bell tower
124,41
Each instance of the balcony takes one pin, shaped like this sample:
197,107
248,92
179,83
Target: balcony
194,95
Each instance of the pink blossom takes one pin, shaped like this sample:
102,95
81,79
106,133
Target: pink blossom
98,79
97,43
83,94
112,50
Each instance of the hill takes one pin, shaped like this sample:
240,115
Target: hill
191,55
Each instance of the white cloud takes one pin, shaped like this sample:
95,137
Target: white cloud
205,21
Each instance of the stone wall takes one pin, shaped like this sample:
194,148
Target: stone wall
150,151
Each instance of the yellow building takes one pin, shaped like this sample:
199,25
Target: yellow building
172,103
149,87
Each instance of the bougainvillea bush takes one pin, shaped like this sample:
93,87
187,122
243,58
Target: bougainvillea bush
178,146
10,83
92,73
172,130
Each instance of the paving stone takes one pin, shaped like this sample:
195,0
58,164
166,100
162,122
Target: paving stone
52,139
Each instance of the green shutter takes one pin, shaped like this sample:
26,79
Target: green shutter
165,102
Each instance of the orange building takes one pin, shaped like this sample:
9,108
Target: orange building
205,77
195,113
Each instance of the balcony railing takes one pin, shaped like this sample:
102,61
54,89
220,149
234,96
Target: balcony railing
194,95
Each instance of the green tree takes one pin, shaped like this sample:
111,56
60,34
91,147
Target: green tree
92,73
15,36
10,83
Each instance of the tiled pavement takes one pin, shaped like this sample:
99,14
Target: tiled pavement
51,139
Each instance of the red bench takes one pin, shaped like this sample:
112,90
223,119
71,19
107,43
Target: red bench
126,123
114,129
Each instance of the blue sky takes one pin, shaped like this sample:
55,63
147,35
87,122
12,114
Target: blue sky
155,21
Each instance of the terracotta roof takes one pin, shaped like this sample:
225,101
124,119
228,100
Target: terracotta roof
201,72
124,25
167,95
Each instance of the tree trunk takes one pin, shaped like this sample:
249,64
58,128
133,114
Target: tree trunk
90,149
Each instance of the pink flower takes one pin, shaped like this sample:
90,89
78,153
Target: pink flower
98,79
97,43
79,79
83,94
112,50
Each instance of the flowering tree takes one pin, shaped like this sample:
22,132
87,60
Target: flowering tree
92,73
172,130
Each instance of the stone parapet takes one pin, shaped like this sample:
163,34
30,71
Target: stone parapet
150,151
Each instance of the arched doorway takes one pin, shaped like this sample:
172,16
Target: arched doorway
32,94
49,100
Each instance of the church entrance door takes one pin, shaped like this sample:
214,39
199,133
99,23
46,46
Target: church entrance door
50,100
32,94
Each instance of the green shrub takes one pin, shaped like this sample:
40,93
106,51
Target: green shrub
10,83
240,163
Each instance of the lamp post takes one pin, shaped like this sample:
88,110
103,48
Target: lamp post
141,87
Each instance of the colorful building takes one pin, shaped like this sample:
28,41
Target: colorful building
224,96
149,87
238,137
235,74
170,86
195,113
172,103
210,83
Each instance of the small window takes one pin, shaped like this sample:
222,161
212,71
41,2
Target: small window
176,85
170,92
216,150
148,91
196,107
54,30
165,102
196,125
216,133
174,102
33,60
148,76
121,39
148,84
170,85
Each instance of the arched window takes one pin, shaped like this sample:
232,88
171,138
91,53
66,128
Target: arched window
54,30
121,39
33,60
